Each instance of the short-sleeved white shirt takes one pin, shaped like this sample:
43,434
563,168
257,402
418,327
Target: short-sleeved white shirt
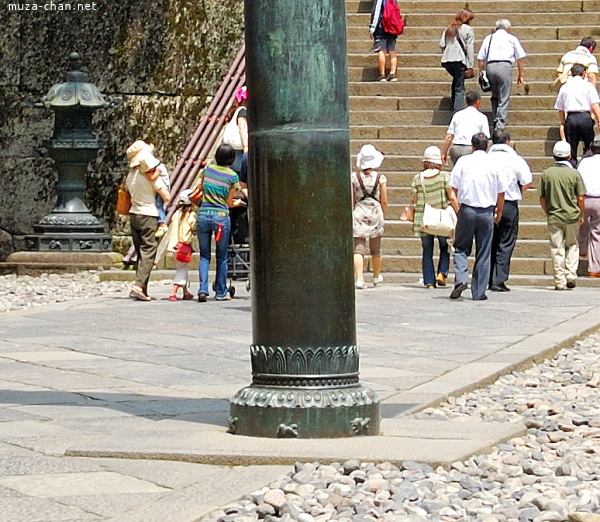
143,193
505,47
589,169
514,168
466,123
477,180
577,95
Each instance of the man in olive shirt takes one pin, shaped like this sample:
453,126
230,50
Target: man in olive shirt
561,193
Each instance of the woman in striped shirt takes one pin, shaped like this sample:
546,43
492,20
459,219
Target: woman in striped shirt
219,185
431,186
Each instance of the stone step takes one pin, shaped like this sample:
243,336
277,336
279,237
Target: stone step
524,33
517,266
363,44
398,102
502,8
395,163
436,133
415,147
537,18
526,212
411,246
438,74
527,229
403,195
408,85
404,179
539,280
365,59
442,117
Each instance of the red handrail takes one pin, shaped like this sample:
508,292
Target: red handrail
209,129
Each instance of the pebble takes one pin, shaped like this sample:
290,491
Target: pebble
550,474
23,292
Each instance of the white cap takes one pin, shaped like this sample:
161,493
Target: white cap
369,158
561,150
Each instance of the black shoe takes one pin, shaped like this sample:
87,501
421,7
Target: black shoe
500,288
571,283
483,298
458,290
202,298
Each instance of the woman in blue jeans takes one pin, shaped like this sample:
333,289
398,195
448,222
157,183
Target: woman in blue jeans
431,186
218,187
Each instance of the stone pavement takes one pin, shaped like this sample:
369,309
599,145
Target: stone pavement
112,409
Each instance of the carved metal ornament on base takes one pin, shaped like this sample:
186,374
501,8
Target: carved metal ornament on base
71,227
305,360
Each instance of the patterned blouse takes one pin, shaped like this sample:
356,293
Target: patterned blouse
436,183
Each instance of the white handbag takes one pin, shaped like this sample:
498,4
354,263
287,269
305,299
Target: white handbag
437,221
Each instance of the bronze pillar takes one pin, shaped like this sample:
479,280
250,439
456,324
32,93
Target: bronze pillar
304,354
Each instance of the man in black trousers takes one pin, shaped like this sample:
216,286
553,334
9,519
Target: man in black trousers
518,178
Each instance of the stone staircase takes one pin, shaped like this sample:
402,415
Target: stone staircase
403,118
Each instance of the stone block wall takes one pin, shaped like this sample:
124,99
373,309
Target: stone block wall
164,57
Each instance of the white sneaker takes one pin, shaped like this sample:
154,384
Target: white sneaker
360,285
378,279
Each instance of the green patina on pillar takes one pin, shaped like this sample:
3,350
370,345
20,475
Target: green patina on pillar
304,355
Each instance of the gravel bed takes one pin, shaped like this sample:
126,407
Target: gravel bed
551,474
19,293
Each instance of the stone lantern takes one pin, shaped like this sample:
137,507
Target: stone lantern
71,227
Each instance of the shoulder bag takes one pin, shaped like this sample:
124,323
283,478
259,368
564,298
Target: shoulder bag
484,81
437,221
123,200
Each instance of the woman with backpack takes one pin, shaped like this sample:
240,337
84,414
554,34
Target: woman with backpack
458,45
369,196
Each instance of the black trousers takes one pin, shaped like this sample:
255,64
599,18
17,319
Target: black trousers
503,243
579,126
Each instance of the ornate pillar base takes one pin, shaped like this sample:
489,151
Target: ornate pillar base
306,414
304,393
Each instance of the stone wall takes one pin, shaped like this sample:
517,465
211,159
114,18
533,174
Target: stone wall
164,57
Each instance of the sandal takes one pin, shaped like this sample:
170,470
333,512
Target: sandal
188,297
138,293
173,298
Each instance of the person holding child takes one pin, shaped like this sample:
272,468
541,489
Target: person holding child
143,216
183,226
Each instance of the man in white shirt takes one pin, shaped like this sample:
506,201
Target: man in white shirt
589,230
576,100
479,187
583,55
518,179
497,55
463,126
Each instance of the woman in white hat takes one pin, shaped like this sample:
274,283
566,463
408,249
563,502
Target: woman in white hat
432,187
369,197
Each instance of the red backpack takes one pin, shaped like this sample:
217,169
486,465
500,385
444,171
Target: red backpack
391,20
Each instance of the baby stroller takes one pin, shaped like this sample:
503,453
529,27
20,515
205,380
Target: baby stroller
238,250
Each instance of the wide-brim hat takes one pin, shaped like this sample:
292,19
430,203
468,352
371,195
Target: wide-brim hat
561,150
136,151
369,158
147,161
433,154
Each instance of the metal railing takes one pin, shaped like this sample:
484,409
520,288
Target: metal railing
209,129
